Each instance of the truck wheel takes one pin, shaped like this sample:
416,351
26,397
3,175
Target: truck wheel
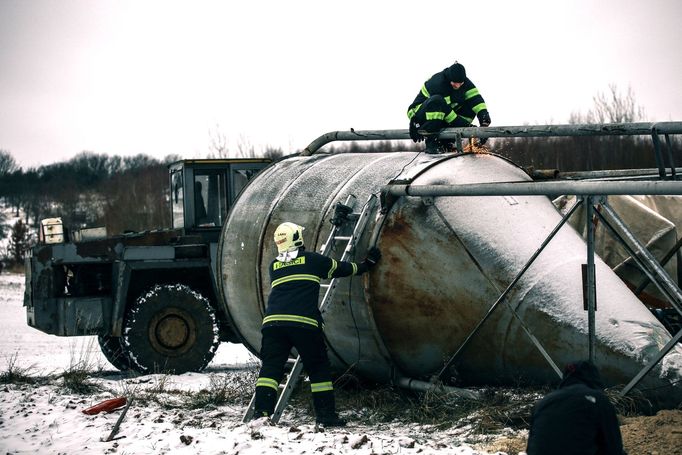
113,350
170,328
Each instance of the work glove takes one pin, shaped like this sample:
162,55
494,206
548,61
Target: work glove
373,256
414,134
484,118
483,121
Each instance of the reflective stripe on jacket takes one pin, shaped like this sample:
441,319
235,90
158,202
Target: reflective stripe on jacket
295,288
465,103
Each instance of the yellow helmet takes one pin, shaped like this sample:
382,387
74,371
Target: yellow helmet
288,237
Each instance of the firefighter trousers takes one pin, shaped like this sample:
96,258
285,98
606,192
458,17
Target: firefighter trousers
275,348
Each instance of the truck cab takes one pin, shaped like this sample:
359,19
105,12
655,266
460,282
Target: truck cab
202,191
150,297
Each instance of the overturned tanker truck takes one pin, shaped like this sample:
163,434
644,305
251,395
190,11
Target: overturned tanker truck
481,280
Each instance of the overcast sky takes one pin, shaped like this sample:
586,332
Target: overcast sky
160,77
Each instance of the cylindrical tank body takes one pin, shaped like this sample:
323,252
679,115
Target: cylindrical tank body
445,261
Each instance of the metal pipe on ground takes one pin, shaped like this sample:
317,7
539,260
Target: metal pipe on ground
423,386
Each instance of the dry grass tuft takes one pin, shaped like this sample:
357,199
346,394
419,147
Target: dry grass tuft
14,373
76,378
224,389
498,408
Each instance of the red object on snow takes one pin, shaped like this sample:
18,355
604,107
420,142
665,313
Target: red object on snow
106,406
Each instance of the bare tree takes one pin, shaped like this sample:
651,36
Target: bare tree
245,148
218,143
614,107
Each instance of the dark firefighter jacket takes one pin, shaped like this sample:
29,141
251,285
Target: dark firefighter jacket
576,419
465,103
295,290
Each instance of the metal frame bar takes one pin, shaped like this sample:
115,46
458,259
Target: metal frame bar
457,134
504,295
671,290
674,250
590,280
585,129
578,188
669,145
593,192
665,285
633,254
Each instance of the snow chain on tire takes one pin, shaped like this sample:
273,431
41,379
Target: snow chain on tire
170,328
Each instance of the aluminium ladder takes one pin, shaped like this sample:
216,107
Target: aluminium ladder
342,214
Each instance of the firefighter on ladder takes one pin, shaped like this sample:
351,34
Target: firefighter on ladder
293,319
447,99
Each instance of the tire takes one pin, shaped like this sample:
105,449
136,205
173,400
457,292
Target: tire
114,351
170,329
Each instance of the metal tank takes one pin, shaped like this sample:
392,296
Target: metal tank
445,262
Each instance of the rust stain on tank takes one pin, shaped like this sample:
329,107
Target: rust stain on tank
413,304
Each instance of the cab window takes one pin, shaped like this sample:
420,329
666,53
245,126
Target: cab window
210,201
177,200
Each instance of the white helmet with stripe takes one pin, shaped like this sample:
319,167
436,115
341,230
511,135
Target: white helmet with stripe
288,237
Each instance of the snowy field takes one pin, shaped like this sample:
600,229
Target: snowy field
42,416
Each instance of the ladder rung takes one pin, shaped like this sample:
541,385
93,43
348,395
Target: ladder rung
343,237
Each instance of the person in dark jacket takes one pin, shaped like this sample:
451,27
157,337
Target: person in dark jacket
576,419
293,319
447,99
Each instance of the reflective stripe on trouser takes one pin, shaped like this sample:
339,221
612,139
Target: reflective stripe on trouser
435,114
290,318
267,382
316,387
275,347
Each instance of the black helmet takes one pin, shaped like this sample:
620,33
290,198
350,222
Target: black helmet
456,73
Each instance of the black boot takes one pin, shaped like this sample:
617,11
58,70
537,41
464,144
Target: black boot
265,402
434,146
325,410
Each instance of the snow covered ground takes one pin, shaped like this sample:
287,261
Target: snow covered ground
42,416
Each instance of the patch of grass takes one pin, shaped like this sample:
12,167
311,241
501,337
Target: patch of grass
505,444
161,382
14,373
14,267
76,378
505,408
496,409
224,389
234,388
630,405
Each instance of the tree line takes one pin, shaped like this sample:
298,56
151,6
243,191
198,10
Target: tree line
598,152
120,193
